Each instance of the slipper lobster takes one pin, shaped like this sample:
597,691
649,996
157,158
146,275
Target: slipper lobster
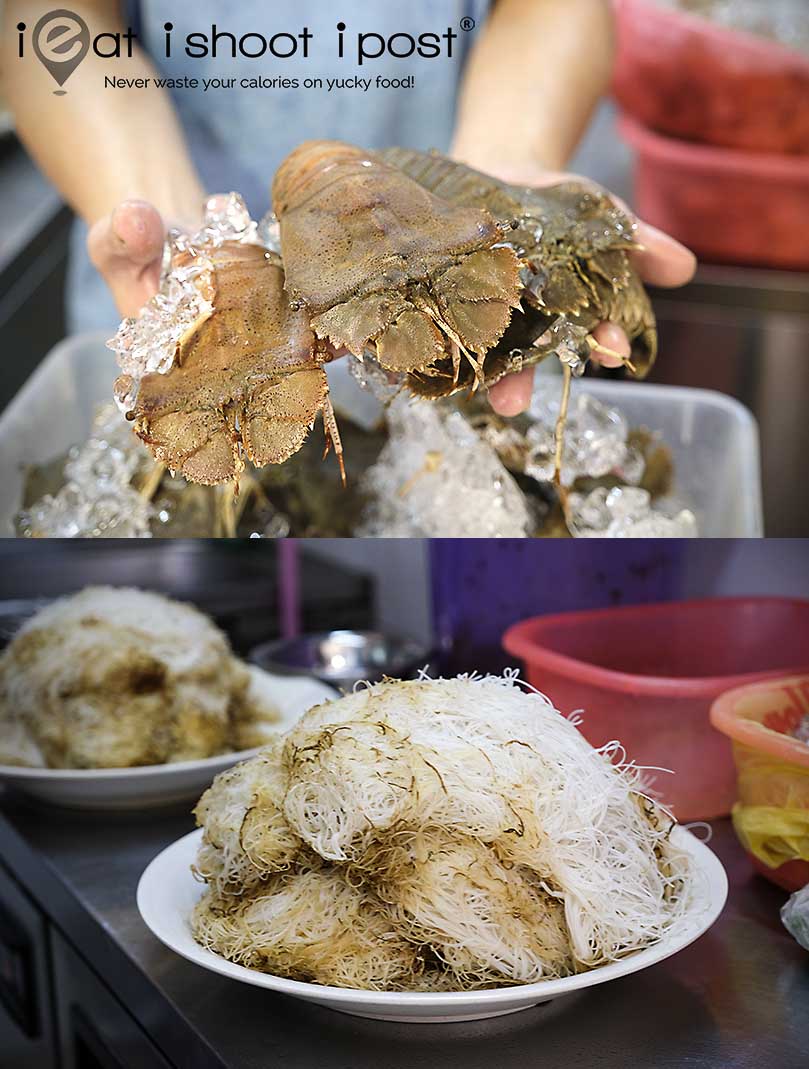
380,262
246,380
573,242
420,261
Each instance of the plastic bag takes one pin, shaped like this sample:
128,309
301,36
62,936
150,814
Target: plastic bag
773,834
795,916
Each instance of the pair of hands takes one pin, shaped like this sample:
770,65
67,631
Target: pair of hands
127,247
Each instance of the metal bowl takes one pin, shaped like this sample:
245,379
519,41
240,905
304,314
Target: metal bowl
343,658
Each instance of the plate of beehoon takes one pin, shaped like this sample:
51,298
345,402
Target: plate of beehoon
432,850
118,698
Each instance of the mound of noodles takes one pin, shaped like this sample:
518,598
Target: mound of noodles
439,834
111,678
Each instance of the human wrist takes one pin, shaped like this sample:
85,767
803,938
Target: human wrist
509,163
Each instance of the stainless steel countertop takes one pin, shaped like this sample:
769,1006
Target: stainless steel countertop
737,998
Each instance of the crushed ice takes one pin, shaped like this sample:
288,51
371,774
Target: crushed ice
625,512
436,478
269,233
801,732
595,442
97,500
781,20
370,376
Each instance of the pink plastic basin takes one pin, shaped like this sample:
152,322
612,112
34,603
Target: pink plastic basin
647,675
727,205
695,79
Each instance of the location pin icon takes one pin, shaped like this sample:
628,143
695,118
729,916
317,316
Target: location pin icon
61,41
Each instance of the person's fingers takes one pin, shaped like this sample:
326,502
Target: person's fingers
612,337
662,260
512,394
126,247
138,230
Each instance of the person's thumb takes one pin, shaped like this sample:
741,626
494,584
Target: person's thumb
126,247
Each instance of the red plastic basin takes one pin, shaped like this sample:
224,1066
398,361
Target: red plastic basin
727,205
695,79
647,675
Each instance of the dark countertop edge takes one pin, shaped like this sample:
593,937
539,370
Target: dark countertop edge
160,1019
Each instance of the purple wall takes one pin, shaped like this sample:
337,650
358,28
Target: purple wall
480,587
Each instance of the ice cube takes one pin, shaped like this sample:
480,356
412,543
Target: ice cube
594,440
436,477
625,512
569,342
589,513
370,376
226,218
269,232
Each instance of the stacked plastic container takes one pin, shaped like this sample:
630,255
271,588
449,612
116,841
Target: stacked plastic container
720,126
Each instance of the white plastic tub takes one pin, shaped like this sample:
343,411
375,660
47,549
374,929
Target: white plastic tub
714,438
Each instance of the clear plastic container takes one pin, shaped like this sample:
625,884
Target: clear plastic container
714,439
646,675
53,411
772,813
715,444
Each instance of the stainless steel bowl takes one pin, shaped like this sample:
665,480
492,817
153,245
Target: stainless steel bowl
343,658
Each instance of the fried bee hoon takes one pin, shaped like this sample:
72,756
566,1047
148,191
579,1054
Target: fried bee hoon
441,834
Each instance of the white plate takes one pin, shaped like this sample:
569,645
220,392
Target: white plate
147,786
167,893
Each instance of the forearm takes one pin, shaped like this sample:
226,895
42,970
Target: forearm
531,84
98,146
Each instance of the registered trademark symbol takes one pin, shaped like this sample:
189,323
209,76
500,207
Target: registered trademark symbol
467,24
